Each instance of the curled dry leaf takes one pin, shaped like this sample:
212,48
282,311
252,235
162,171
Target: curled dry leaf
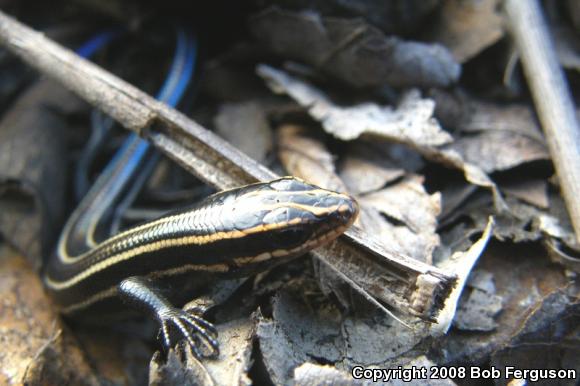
522,223
468,27
305,156
354,51
453,196
411,124
559,253
461,264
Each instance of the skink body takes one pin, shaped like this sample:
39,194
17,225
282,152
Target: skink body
235,232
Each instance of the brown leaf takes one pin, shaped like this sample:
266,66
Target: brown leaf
178,368
245,126
468,27
36,348
305,156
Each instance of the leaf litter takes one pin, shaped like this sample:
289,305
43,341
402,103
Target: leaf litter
367,114
485,140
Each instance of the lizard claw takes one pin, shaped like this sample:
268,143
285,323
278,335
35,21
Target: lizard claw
200,334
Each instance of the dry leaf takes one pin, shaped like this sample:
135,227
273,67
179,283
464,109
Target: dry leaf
368,166
310,374
525,280
523,222
473,173
468,27
233,363
36,348
32,168
303,331
305,156
411,124
499,150
531,191
354,51
172,370
460,264
362,175
492,137
368,337
245,126
414,211
295,335
453,195
547,338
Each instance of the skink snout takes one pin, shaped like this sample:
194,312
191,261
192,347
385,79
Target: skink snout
338,211
347,210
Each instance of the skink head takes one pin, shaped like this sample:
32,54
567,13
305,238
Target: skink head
288,217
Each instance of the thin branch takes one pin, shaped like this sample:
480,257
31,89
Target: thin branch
551,97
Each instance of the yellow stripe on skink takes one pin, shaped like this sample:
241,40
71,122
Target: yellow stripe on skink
154,247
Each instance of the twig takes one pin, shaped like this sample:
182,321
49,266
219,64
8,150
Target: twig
551,97
412,287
